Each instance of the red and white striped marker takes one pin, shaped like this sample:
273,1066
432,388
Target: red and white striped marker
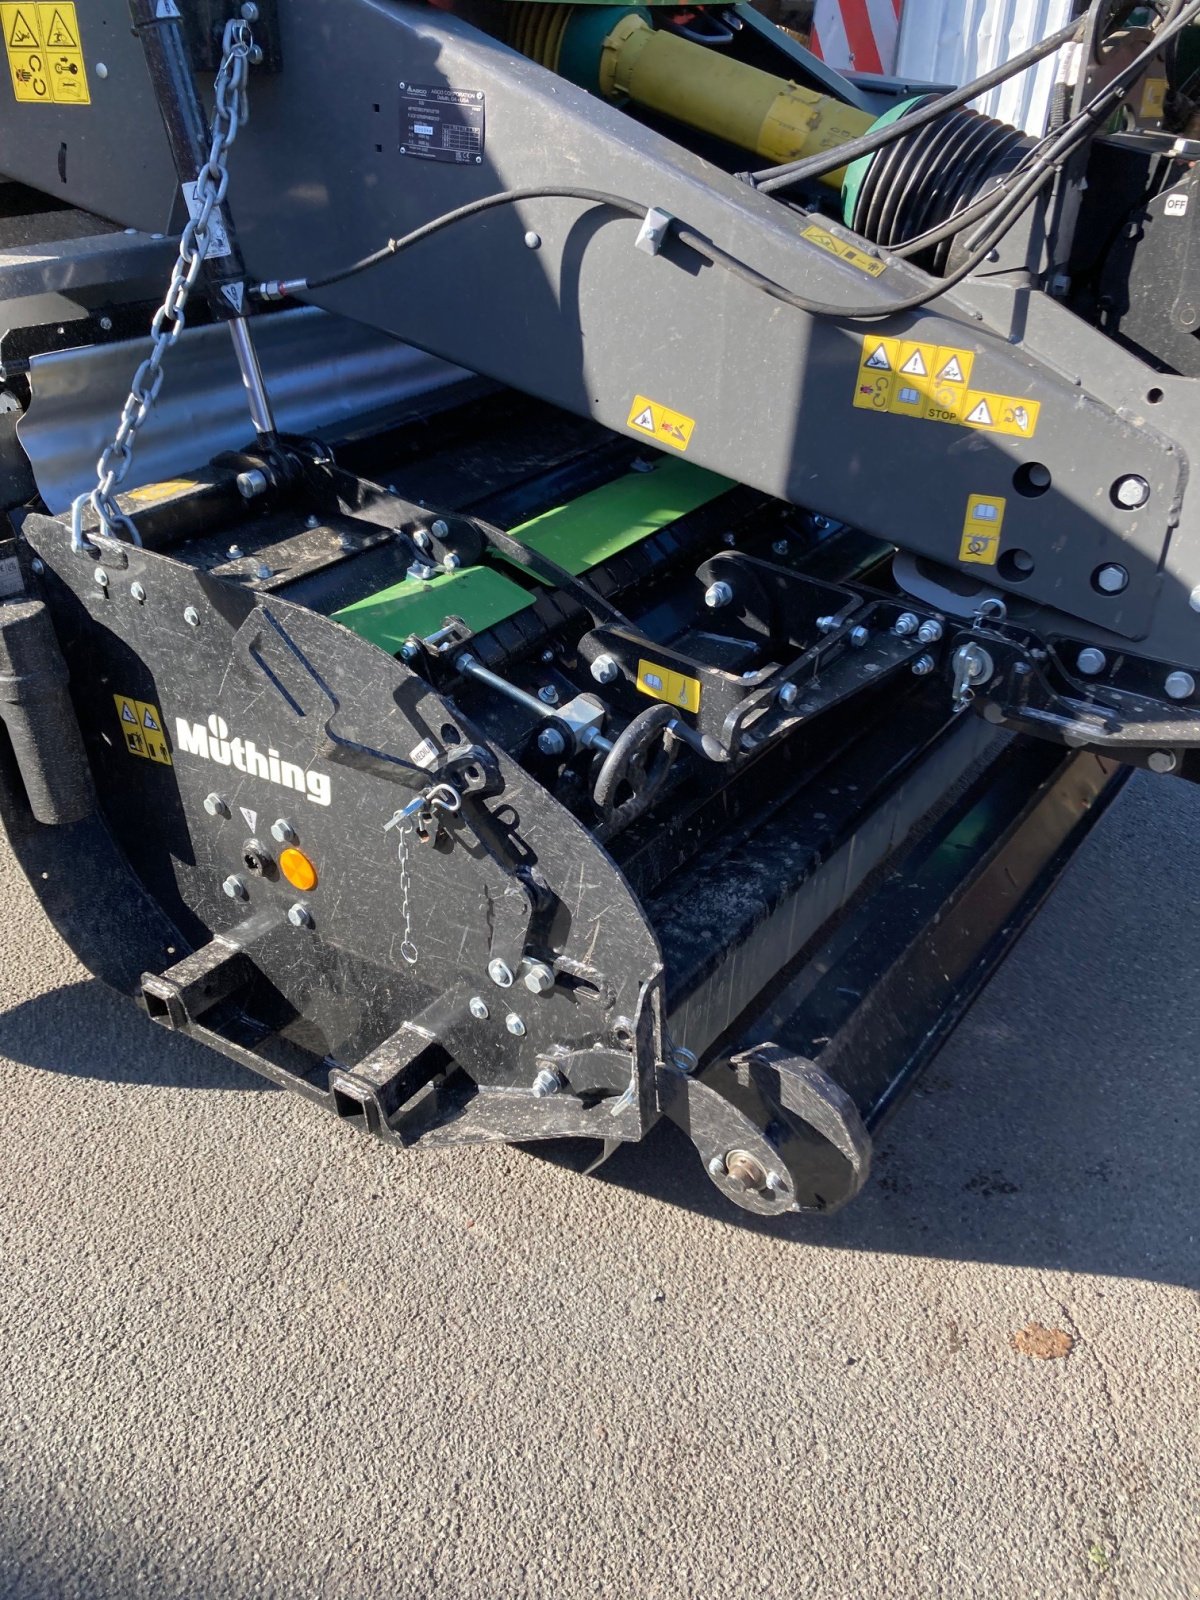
857,35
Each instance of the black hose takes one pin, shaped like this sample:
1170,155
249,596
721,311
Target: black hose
1009,203
769,179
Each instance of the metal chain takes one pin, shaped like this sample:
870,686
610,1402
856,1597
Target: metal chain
230,112
407,948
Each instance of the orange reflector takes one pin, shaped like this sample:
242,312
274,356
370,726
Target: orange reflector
298,869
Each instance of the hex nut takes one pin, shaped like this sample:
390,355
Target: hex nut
538,977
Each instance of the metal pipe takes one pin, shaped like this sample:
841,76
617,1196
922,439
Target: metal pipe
591,738
253,381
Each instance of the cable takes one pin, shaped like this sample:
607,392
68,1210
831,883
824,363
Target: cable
1002,208
769,179
507,197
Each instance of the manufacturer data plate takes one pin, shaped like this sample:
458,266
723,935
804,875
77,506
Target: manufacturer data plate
440,124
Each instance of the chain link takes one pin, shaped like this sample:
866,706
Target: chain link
407,948
231,111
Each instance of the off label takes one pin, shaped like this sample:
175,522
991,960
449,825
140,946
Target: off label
931,382
660,423
45,58
982,527
675,688
142,726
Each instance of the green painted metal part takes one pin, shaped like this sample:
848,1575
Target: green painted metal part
578,535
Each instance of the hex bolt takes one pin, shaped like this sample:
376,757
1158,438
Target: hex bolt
262,572
478,1007
605,669
548,694
514,1025
300,916
780,547
249,11
451,562
312,522
283,832
744,1171
788,694
252,483
1131,492
500,974
234,552
551,742
546,1083
421,538
102,73
1111,579
538,978
1180,685
235,888
776,1183
923,666
905,624
826,624
137,591
860,637
1193,598
929,632
716,1167
217,806
439,528
533,240
1161,761
717,595
410,650
192,617
39,566
1091,661
101,577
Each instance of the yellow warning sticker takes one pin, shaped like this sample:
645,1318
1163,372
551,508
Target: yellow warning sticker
907,378
44,54
142,726
981,529
849,253
1002,413
660,683
1154,96
660,423
150,493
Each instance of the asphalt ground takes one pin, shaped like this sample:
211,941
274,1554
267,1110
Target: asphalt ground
246,1352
